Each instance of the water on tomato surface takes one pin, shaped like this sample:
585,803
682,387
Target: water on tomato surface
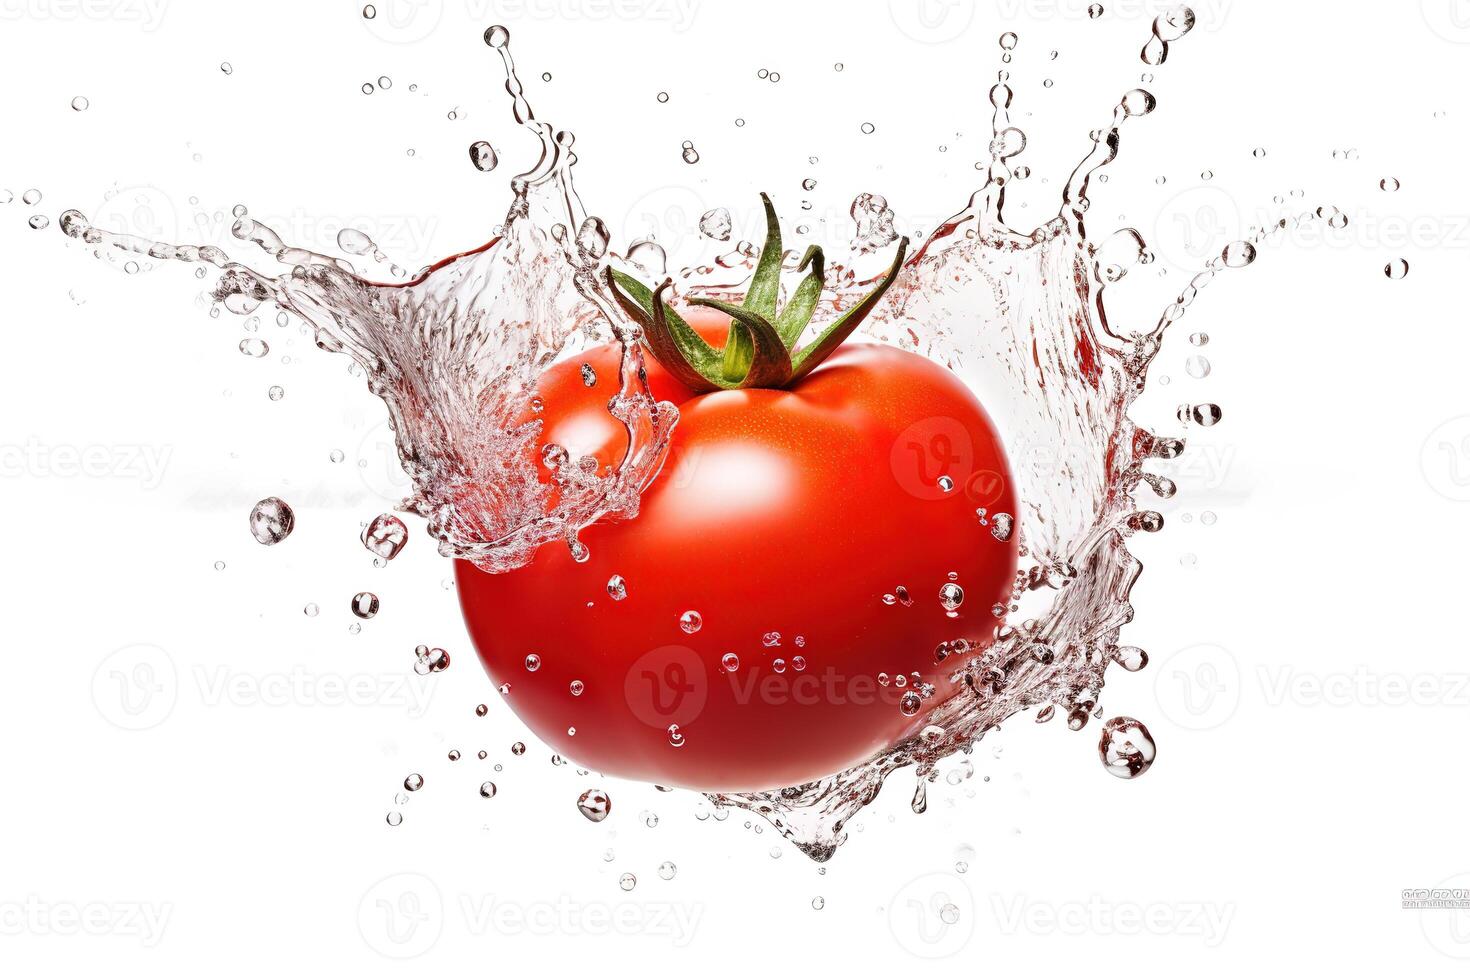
1021,314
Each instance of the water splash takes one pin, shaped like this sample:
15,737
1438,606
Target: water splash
1020,314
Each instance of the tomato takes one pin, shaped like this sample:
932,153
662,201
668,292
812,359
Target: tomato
787,587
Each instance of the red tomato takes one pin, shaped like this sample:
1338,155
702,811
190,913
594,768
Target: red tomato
808,532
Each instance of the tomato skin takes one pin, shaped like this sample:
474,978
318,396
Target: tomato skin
790,512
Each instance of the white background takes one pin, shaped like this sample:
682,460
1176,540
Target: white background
180,771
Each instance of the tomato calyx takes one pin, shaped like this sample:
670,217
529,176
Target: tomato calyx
760,350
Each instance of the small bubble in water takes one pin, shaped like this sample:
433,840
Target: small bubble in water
226,67
481,710
1197,366
254,347
951,596
691,621
909,704
482,155
949,913
731,662
589,375
1238,255
819,903
385,536
369,12
691,155
676,737
272,520
667,870
716,223
384,82
1389,184
1095,11
627,882
576,688
533,662
80,103
1206,414
311,609
454,755
1126,747
1259,152
617,588
518,748
39,221
595,805
1396,269
1199,339
365,605
395,818
867,128
414,782
32,196
487,789
276,393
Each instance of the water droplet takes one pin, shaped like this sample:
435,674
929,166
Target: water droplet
39,222
1095,10
414,782
617,588
576,688
731,662
385,536
667,870
533,662
1389,184
1397,269
691,621
518,748
819,903
628,881
951,596
488,790
369,12
909,704
272,520
311,609
1126,747
867,128
676,737
663,96
716,223
275,393
595,805
1002,526
482,155
365,605
226,67
1238,255
1197,366
690,154
254,347
80,103
395,818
